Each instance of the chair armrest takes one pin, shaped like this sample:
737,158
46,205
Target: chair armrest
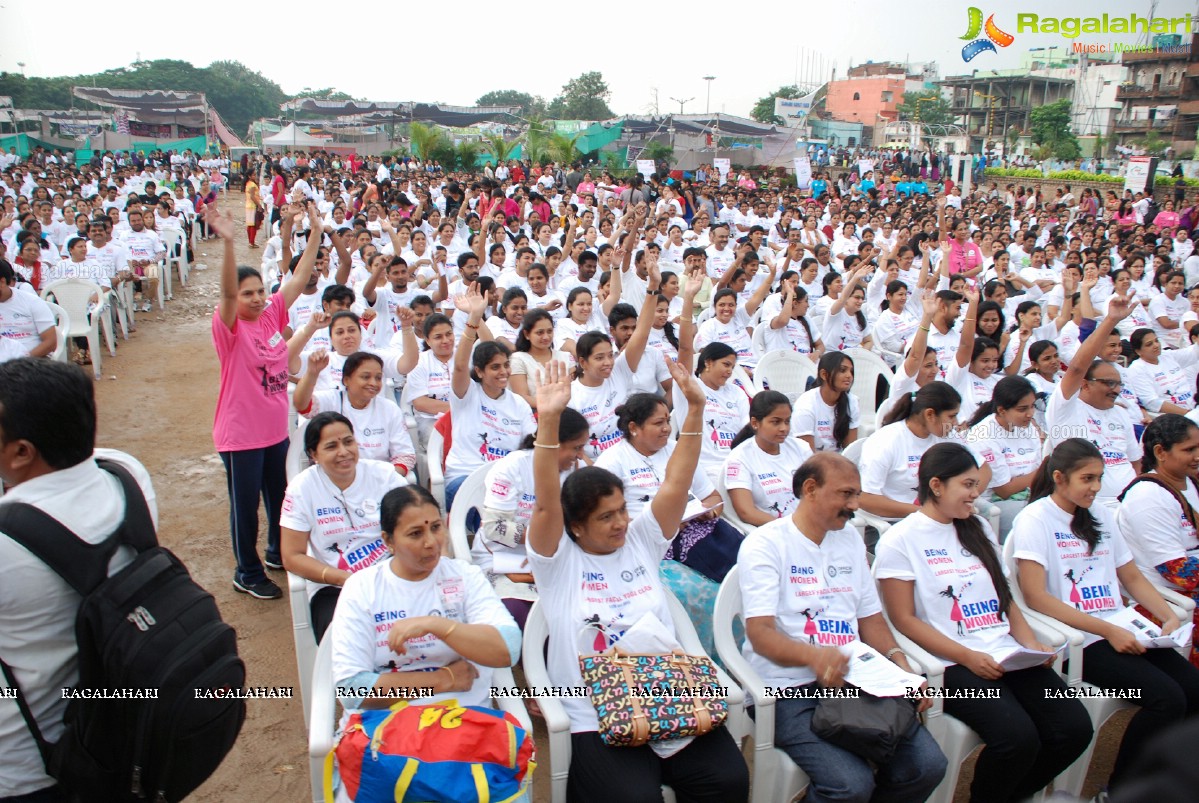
871,520
1184,606
324,704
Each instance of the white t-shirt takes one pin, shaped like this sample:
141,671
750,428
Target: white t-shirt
811,416
1110,430
379,427
719,261
342,526
891,330
598,405
1156,528
726,411
1167,381
1047,332
595,599
432,378
387,301
1009,453
792,337
23,318
816,594
506,510
1163,307
642,475
953,590
842,332
890,460
946,346
733,334
485,429
1076,576
974,390
768,477
375,599
500,327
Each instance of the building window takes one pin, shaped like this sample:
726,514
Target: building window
1173,78
853,141
857,95
887,96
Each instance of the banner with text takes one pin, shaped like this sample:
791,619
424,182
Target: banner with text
803,172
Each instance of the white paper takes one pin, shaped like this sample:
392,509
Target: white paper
695,508
1150,634
505,562
873,673
1024,658
646,167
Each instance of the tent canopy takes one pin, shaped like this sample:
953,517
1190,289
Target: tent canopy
290,135
143,100
401,112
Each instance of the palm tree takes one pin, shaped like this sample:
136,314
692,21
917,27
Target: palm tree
425,139
498,148
660,152
467,154
536,141
563,149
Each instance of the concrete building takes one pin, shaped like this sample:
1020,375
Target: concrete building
871,93
1161,94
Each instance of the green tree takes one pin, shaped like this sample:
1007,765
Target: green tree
530,105
927,106
466,154
563,148
583,98
497,148
660,152
1051,128
763,110
425,139
536,141
1153,144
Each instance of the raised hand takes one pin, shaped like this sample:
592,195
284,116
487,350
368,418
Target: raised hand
1090,279
319,319
928,301
553,389
1120,307
406,317
472,302
318,360
686,382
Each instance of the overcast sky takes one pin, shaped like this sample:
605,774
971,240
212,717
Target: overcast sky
454,52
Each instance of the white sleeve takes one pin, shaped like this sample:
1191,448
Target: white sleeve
1028,533
803,418
760,577
875,465
353,630
1158,530
1146,390
297,511
891,561
736,473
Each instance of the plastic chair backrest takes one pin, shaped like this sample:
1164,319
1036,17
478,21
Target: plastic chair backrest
62,325
853,452
729,514
297,460
469,497
867,368
759,341
74,295
786,372
741,377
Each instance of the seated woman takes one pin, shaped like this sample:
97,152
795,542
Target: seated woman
505,324
499,545
757,472
488,419
919,366
330,521
1073,563
1028,329
1157,511
789,652
345,338
826,417
427,390
534,350
1002,432
845,326
789,329
895,323
943,586
418,619
728,326
725,405
973,370
581,527
891,456
1163,381
378,423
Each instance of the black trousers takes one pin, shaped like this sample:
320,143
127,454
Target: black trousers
322,605
709,770
1030,737
1169,687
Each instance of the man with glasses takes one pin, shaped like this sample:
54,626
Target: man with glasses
1084,405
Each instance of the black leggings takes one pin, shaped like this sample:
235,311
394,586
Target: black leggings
709,770
322,605
1024,729
1169,688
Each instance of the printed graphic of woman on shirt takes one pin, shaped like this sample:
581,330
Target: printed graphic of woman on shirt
714,436
483,446
955,613
809,627
341,558
1075,597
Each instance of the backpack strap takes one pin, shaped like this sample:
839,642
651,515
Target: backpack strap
43,747
1187,510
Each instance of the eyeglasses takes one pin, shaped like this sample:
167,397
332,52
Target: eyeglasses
1110,384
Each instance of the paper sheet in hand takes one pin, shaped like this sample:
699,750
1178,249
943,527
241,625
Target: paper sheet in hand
695,508
1024,658
505,562
873,673
1150,634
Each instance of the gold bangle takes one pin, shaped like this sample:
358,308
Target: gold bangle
453,680
324,571
546,445
451,630
924,329
681,434
968,320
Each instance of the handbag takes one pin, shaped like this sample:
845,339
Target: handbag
868,726
437,753
653,698
709,547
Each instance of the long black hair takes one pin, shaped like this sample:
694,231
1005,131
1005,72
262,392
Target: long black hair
938,396
668,330
1166,431
760,406
1069,455
828,367
800,295
1009,391
571,425
943,462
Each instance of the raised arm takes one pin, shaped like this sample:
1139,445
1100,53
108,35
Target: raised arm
1119,308
299,339
292,288
370,290
222,224
855,279
672,496
317,362
1066,311
635,348
475,304
912,362
694,281
546,524
966,342
760,294
344,260
407,361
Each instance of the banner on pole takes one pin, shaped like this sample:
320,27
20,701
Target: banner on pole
803,172
646,167
722,166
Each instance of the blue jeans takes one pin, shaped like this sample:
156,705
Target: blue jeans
839,775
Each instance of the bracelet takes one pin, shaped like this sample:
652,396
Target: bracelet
324,571
924,329
681,434
451,630
547,445
453,680
968,320
894,650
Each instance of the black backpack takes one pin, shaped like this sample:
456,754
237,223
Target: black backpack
148,626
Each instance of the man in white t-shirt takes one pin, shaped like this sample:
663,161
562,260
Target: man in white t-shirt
720,255
26,321
808,598
1084,406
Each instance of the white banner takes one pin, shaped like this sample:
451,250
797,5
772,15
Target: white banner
864,167
722,166
1139,173
646,167
803,172
794,107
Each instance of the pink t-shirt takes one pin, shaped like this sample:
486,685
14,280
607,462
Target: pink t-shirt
963,257
251,408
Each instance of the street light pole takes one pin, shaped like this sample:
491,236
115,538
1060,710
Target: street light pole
708,102
682,102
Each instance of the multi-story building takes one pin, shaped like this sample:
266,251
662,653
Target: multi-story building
872,92
1161,94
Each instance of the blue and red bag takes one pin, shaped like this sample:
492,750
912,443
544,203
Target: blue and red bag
437,753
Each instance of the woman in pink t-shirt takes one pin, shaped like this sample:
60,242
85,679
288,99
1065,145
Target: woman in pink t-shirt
250,428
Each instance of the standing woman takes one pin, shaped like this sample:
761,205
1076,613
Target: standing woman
488,419
250,428
254,211
943,585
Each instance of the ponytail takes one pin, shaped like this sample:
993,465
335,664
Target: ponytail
937,396
1069,455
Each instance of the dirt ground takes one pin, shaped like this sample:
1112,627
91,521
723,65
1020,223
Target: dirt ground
156,402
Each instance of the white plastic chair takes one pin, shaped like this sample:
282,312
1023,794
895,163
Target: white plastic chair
62,325
785,371
1099,709
303,637
296,460
173,239
469,497
436,471
776,778
740,375
74,296
322,721
729,514
125,306
557,722
758,341
867,368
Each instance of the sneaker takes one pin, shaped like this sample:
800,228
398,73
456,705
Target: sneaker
261,590
273,562
147,307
